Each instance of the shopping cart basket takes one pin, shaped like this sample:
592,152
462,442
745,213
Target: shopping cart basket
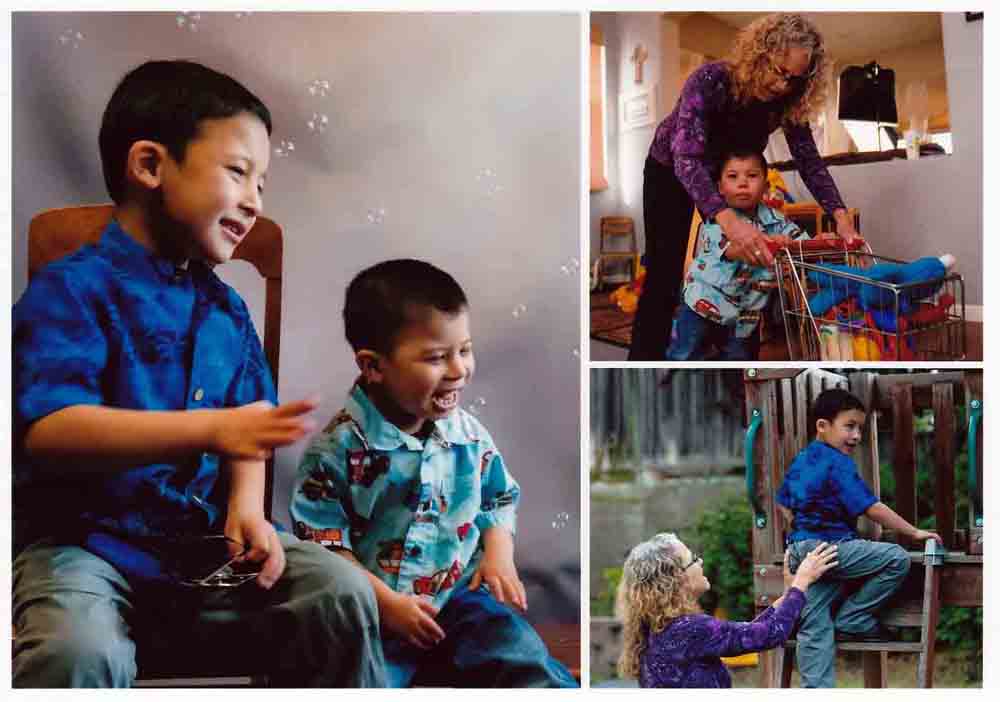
871,320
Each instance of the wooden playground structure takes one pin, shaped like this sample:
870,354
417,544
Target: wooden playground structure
777,406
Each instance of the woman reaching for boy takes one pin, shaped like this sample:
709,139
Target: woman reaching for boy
775,76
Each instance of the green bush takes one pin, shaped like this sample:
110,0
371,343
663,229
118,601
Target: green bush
604,604
724,533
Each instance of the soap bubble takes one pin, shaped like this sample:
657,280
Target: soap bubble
570,267
488,178
477,406
576,353
71,38
242,15
376,215
518,311
560,521
318,122
319,87
284,148
188,20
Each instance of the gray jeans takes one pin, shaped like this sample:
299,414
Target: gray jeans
77,621
883,565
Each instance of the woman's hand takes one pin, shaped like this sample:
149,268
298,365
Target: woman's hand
814,565
746,242
845,226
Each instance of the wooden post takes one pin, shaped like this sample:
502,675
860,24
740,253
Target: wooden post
904,464
944,462
928,628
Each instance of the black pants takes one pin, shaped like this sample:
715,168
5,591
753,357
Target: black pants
666,210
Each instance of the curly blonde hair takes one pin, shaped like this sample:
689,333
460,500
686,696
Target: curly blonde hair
650,596
766,40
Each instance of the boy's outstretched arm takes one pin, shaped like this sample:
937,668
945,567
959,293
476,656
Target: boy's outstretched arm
246,523
887,517
497,568
108,439
410,617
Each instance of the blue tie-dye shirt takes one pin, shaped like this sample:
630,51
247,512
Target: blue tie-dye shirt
114,325
731,292
823,490
411,510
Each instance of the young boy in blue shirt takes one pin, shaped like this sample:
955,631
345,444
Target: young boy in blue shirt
143,416
410,487
723,297
822,496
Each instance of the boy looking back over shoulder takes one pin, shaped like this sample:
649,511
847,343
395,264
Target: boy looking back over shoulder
409,486
143,417
822,496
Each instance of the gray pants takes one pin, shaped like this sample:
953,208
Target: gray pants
884,565
77,621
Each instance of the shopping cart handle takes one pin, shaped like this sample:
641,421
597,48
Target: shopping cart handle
812,245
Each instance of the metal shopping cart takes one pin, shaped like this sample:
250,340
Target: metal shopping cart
838,315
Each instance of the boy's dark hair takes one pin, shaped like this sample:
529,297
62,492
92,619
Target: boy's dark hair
383,299
166,101
738,152
832,402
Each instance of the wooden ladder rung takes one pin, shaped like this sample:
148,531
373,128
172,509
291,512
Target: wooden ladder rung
890,646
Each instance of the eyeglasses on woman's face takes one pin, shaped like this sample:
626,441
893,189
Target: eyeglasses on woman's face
793,81
695,558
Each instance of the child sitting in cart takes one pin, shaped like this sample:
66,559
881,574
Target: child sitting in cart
723,297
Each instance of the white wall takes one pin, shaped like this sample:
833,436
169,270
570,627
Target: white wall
419,107
934,205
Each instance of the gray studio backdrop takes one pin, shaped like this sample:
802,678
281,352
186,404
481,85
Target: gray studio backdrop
448,137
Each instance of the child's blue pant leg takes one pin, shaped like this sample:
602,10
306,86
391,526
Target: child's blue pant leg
884,565
70,609
486,644
694,333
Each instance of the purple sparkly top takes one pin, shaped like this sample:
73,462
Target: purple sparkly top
707,121
687,652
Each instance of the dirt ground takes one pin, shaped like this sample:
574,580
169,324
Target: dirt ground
949,671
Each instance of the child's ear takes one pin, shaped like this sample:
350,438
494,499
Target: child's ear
369,364
822,425
144,163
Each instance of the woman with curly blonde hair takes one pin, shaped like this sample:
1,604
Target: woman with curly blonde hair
668,642
775,76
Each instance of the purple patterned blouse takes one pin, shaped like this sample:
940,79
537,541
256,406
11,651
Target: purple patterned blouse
707,121
687,652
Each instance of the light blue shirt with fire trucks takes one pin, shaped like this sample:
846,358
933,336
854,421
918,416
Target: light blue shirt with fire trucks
728,292
411,510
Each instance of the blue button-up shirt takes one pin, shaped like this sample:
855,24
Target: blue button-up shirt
117,326
731,292
410,510
823,490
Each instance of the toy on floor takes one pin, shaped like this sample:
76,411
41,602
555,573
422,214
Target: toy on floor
627,296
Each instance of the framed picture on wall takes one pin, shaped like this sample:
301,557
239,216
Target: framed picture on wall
638,109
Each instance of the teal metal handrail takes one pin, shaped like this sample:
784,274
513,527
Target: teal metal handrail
756,419
975,417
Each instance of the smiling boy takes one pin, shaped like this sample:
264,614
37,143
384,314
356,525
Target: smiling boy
822,496
417,493
143,416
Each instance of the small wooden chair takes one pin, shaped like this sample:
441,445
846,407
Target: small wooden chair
616,228
54,234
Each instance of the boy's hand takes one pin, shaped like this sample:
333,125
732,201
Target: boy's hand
921,535
411,617
497,570
257,534
253,431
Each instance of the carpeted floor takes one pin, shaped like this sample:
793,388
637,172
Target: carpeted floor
612,326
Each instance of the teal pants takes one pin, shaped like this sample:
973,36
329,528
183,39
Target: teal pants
79,623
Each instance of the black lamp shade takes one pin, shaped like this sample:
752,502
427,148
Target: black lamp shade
868,94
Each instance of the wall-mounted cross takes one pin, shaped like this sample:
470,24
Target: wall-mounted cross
639,56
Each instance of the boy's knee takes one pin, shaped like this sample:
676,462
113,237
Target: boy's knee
77,656
899,560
